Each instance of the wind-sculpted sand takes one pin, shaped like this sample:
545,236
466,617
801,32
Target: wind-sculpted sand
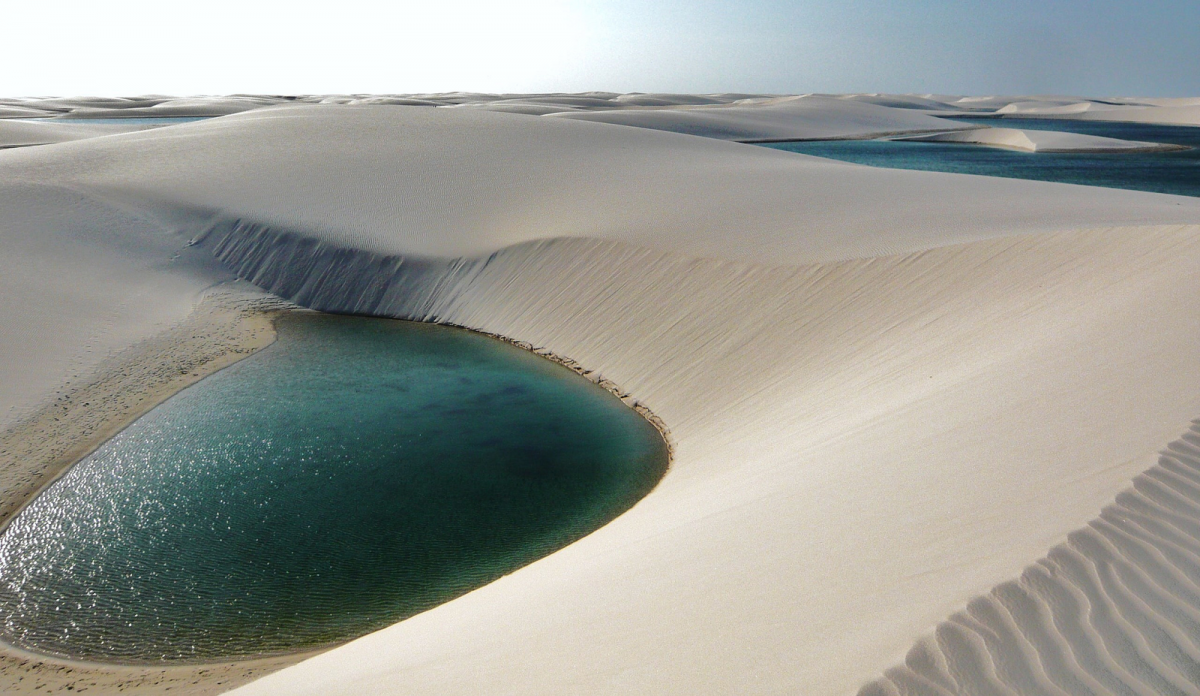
1113,610
888,391
786,118
1042,141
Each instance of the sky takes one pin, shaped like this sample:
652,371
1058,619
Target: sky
130,47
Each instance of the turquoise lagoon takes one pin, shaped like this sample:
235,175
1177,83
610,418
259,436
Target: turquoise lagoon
1176,172
353,474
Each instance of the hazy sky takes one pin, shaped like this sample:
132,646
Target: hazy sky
125,47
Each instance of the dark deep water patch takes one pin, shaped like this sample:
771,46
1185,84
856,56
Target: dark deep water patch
1175,172
356,472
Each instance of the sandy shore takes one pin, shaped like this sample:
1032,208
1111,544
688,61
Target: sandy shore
227,326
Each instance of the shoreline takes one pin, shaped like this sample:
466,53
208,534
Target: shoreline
227,325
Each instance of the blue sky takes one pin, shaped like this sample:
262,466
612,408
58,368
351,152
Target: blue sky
1101,47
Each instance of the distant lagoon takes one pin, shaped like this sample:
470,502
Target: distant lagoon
1176,172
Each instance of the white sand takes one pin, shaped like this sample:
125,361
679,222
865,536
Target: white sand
175,108
786,118
1041,141
888,391
1178,111
902,101
465,183
83,280
1167,115
15,133
17,111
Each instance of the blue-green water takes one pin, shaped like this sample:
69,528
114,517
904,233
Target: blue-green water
1175,172
355,473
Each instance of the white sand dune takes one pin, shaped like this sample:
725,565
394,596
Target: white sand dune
888,391
464,183
16,111
393,101
653,99
84,280
519,107
1110,611
175,108
15,133
1175,111
860,450
1184,115
1055,107
68,103
787,118
1165,101
1042,141
903,101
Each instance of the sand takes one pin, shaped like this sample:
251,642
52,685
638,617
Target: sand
1043,141
888,392
227,325
786,118
801,534
14,133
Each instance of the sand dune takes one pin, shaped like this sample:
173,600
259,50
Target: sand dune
789,118
888,391
16,111
1055,107
901,101
174,108
1186,115
1113,610
24,133
1182,111
749,116
465,183
814,475
84,280
1042,141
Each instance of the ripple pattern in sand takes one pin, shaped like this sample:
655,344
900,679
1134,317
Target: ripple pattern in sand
1113,610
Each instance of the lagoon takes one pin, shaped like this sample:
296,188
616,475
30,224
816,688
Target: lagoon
355,473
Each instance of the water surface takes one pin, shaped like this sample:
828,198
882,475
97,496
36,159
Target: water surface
356,472
1175,172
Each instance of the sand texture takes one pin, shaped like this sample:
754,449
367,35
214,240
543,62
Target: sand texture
1110,611
1042,141
15,133
788,118
888,392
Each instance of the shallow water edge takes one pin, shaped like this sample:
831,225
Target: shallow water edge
227,327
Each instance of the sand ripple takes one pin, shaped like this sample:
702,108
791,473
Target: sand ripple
1113,610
